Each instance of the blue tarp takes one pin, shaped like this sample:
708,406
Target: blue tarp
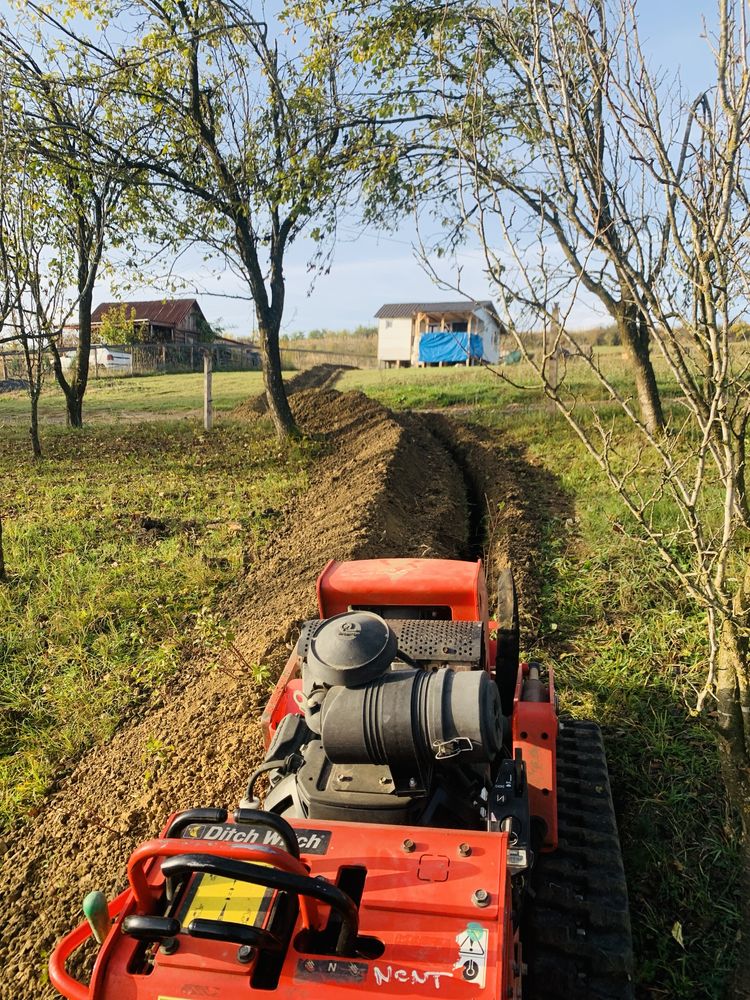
449,346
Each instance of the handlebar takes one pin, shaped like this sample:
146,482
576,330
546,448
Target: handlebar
272,878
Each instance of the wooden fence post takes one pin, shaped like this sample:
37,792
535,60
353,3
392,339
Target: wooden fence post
554,376
208,402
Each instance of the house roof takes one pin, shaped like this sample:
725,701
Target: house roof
399,310
162,312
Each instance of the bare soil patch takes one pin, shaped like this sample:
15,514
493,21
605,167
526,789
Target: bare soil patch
317,377
384,486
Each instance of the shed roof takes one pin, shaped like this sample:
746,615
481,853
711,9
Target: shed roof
162,312
399,310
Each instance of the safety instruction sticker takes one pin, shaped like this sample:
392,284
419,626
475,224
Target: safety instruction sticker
324,970
212,897
472,943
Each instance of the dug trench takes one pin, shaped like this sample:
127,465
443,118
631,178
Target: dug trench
382,486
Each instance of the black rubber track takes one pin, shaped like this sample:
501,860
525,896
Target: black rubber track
576,926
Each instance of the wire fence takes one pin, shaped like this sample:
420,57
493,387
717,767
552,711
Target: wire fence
299,359
154,359
143,359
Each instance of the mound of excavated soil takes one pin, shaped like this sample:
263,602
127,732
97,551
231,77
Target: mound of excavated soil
384,486
317,377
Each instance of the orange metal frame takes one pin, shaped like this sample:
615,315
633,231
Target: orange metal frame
418,902
450,583
535,734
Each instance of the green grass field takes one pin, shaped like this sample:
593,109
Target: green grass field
110,400
512,386
100,607
630,651
117,545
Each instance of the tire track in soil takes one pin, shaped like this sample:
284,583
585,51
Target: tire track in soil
386,485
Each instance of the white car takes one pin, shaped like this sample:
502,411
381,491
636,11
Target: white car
101,356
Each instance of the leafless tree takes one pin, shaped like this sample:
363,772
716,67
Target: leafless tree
537,104
682,265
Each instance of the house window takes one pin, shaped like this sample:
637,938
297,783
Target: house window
388,324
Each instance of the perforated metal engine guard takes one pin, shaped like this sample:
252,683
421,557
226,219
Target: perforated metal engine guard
444,641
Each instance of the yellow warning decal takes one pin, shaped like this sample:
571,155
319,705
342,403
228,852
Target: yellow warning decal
212,897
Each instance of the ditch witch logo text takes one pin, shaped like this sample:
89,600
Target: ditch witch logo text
310,841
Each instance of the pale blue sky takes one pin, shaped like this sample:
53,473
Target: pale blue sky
370,268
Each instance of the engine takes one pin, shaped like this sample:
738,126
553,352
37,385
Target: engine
398,722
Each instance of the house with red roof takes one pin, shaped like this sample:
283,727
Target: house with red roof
167,321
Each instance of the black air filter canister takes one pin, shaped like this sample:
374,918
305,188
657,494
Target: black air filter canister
412,715
350,649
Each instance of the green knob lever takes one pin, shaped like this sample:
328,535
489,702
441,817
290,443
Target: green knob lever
96,911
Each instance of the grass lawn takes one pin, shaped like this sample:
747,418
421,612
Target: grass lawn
629,651
116,546
136,399
516,388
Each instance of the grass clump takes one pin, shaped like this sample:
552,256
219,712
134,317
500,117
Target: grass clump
117,545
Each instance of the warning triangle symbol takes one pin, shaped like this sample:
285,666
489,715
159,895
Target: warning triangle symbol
471,946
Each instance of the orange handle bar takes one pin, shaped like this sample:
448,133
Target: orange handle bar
169,848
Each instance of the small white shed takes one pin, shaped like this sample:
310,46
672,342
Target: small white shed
470,331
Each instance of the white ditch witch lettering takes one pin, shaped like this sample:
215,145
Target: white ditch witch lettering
255,835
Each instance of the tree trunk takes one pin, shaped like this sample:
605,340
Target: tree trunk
278,404
75,390
34,429
74,398
731,662
731,676
269,315
634,332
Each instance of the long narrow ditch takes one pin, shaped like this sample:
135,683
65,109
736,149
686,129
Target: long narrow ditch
413,485
476,504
